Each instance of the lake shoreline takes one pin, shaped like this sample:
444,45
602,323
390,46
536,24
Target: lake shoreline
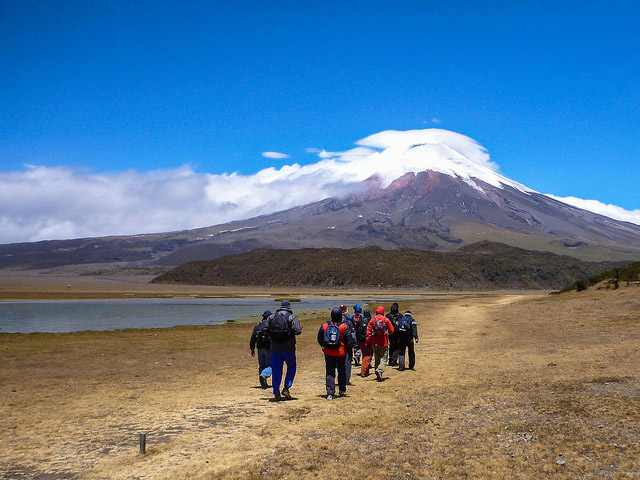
33,285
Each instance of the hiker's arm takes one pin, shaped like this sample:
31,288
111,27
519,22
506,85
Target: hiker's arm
414,330
295,325
252,342
390,326
321,336
369,332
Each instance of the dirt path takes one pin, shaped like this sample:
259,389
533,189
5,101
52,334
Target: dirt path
504,387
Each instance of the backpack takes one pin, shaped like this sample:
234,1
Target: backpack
395,318
262,334
379,327
279,327
332,335
403,325
361,328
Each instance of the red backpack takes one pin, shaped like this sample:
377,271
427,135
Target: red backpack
380,326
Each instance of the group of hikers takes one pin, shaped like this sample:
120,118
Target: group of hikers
358,338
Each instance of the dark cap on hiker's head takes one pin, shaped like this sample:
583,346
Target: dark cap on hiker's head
336,314
266,313
343,308
408,312
285,304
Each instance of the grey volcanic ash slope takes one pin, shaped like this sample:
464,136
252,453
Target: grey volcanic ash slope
424,211
427,211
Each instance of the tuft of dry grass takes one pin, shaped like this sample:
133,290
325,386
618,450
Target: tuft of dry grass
505,386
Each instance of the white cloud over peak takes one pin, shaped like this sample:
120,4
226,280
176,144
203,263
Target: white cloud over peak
276,155
608,210
43,203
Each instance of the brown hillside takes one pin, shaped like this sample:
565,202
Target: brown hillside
483,265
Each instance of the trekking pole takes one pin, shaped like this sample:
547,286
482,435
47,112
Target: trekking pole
143,443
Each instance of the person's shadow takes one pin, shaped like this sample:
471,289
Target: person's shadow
282,399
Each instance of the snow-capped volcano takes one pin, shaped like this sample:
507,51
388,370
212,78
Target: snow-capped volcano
394,153
421,189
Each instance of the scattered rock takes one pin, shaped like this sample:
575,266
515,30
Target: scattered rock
552,364
525,436
561,461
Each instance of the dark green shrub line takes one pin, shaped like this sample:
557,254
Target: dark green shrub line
628,273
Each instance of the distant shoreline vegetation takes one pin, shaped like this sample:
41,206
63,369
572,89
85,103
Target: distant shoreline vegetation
628,273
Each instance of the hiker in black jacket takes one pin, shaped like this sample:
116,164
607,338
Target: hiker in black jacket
351,332
283,326
394,346
260,338
406,332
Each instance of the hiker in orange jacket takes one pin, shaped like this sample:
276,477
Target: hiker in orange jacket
378,331
334,337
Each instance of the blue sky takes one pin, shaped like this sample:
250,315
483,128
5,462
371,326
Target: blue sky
550,89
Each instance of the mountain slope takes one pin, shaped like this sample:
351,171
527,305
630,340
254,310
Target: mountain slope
427,211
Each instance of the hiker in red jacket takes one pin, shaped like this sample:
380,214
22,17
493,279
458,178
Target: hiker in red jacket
335,339
378,331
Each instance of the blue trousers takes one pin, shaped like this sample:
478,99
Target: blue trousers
278,359
264,362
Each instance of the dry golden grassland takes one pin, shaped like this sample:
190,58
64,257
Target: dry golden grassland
505,387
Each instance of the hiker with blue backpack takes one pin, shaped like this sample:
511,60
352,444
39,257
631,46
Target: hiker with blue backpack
260,338
406,331
378,332
283,327
335,340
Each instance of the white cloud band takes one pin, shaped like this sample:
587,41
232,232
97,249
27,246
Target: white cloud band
611,211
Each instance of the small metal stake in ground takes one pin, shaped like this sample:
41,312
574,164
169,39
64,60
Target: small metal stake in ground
143,443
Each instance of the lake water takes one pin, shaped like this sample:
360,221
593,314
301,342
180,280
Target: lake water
73,316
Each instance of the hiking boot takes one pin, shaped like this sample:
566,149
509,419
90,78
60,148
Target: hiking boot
285,393
329,397
263,382
277,398
342,393
379,376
